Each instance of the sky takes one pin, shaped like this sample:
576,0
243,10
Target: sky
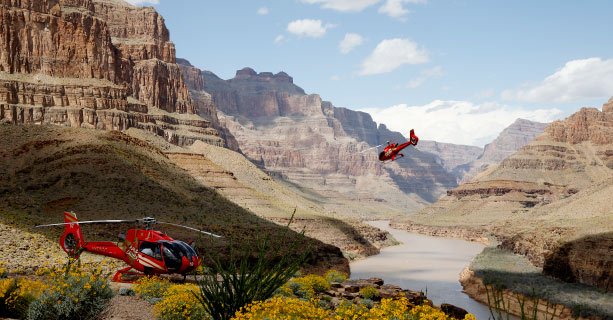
457,71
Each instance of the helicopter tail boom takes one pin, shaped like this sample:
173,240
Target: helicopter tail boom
72,239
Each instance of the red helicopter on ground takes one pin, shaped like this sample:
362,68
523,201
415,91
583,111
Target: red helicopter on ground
393,149
145,250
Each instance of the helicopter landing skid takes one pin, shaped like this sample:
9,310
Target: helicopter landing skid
125,275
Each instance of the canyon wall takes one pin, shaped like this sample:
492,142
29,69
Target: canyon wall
313,144
100,64
548,201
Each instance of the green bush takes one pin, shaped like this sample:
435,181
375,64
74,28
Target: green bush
369,292
72,294
335,276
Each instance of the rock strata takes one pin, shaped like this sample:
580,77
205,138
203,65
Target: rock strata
97,64
307,141
548,201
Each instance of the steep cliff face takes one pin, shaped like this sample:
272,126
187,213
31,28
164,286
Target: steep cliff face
555,190
94,63
315,145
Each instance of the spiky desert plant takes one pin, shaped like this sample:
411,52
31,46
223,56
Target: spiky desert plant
230,284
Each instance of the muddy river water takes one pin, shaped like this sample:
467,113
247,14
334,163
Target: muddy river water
430,264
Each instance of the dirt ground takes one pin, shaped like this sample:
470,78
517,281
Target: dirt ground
127,307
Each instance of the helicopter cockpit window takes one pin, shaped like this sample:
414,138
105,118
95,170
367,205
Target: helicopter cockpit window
151,249
172,256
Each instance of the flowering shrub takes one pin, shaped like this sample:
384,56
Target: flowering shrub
294,308
349,310
304,287
369,292
335,276
17,294
151,288
425,312
282,308
180,302
73,293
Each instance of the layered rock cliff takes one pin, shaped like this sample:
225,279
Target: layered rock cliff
94,63
310,143
554,191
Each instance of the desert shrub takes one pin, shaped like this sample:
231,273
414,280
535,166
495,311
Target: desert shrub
369,292
16,295
231,283
73,293
151,289
317,283
349,310
3,272
335,276
282,308
180,302
296,290
304,287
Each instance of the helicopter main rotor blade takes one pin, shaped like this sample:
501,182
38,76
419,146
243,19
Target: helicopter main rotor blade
190,228
370,148
85,222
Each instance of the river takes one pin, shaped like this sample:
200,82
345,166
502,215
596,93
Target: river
430,264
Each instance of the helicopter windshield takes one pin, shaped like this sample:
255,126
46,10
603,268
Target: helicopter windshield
174,251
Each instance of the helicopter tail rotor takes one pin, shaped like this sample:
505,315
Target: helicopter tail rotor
72,239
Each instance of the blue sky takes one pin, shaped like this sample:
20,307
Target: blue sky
456,71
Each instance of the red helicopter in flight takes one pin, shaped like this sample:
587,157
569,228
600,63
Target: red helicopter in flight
393,149
146,250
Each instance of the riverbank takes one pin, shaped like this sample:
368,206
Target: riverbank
519,279
429,264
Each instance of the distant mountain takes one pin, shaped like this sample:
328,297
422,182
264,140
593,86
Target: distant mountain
511,139
327,150
551,200
452,156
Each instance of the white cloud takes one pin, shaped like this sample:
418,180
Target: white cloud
343,5
141,2
459,122
396,9
391,54
350,42
308,28
590,78
434,72
263,11
280,39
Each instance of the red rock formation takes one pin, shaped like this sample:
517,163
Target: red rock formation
93,63
589,124
310,142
